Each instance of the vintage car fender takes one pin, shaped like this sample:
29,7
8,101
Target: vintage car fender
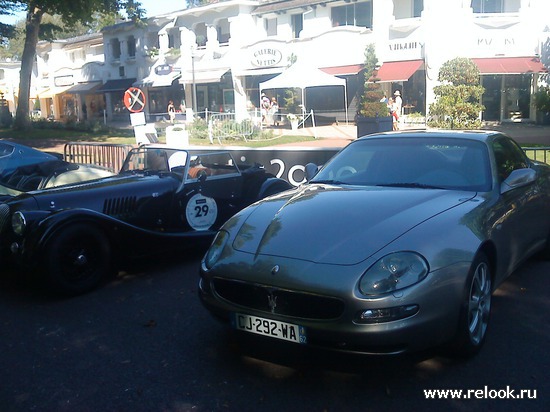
273,185
121,235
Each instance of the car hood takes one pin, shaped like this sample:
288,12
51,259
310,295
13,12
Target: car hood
95,194
335,225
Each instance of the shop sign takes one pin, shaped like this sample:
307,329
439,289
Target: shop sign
405,49
163,69
63,81
266,57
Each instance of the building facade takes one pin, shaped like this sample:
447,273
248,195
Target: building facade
215,57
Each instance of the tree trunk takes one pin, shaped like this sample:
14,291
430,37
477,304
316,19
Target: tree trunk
32,27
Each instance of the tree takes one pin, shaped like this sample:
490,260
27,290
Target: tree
72,12
370,102
458,98
7,8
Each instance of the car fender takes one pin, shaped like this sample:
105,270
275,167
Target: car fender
273,185
42,227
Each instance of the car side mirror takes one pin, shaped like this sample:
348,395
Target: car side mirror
311,171
518,178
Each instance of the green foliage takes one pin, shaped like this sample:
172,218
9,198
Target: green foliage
369,104
542,99
292,101
198,129
458,97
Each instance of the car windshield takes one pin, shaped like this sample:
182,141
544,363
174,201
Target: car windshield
423,162
154,159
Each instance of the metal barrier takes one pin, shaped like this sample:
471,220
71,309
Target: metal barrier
542,154
224,126
109,156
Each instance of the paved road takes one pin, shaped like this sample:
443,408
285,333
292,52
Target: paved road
144,343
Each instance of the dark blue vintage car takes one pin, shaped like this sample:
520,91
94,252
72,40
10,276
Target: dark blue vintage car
24,168
75,235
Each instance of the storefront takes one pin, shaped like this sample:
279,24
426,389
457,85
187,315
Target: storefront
113,91
85,101
509,83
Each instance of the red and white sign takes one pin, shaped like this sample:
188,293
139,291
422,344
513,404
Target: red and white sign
134,99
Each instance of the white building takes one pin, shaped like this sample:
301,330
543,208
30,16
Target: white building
215,56
69,72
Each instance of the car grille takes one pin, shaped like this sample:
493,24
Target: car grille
280,301
120,206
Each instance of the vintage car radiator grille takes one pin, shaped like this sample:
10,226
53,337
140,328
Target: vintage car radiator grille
120,206
279,301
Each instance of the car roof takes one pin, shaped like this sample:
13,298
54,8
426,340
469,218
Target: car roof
479,135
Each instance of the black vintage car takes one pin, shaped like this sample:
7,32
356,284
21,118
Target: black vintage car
163,198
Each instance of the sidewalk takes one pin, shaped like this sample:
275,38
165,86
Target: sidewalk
339,135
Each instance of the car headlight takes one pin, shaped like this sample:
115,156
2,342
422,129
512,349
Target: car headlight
216,249
18,223
393,272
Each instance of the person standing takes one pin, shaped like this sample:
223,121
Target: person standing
398,102
274,110
171,111
265,106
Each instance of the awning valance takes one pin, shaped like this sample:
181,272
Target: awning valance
398,71
159,80
347,70
117,85
51,92
83,88
207,76
509,65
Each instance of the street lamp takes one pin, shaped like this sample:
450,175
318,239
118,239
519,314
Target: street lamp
194,84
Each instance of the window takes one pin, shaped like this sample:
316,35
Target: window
496,6
115,48
271,27
297,24
121,71
131,46
356,14
223,31
508,157
418,6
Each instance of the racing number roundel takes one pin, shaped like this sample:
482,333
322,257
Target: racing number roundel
134,99
201,212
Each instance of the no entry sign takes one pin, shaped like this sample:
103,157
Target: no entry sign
134,99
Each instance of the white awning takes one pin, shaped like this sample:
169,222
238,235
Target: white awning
156,80
206,76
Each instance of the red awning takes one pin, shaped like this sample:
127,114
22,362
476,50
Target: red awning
509,65
343,70
398,71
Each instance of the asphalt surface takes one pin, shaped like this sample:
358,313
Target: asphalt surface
144,342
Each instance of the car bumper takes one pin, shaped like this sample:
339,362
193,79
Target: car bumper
434,322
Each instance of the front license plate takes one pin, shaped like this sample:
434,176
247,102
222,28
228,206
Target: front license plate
269,327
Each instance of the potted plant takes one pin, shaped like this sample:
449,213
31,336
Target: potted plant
293,119
373,115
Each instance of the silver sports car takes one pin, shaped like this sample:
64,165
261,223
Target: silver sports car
395,245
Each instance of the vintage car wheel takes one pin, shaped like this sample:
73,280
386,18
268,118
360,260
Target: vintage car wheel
77,259
475,310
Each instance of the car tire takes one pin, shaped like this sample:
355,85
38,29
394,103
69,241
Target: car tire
475,310
77,259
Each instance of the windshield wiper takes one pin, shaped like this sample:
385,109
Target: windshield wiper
410,184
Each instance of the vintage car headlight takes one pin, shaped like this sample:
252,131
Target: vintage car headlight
216,249
18,223
393,272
